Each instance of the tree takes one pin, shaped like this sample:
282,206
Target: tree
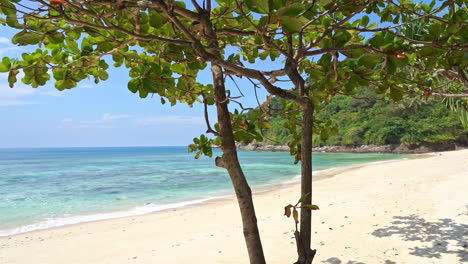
327,48
76,36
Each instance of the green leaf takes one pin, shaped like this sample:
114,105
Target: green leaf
341,37
291,24
193,147
259,6
73,34
150,85
156,19
370,60
133,85
72,46
310,206
454,28
12,21
143,92
65,84
263,6
303,198
178,68
103,75
391,66
5,65
26,37
293,9
7,8
56,37
377,41
364,20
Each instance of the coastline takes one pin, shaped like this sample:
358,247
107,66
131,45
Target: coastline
151,208
390,148
349,198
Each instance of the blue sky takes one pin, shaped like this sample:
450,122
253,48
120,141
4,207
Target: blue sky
106,114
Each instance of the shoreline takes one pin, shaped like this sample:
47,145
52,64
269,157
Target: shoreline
394,208
146,209
390,148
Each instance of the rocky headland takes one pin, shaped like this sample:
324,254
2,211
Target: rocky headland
391,148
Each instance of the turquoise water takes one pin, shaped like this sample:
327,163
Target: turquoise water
43,188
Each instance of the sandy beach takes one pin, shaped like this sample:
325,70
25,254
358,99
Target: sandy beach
409,211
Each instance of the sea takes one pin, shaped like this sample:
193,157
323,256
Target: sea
43,188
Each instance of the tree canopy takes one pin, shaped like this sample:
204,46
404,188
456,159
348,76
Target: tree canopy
324,48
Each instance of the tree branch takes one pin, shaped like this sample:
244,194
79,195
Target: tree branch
336,25
116,28
207,119
152,4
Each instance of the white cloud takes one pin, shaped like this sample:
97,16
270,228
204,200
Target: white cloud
6,47
17,91
86,85
105,122
23,91
15,102
15,96
4,40
5,50
106,118
68,122
158,120
94,126
53,92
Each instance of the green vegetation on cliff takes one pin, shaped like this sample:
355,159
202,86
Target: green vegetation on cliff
366,119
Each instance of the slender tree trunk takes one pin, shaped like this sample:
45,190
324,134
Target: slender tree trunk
303,237
241,187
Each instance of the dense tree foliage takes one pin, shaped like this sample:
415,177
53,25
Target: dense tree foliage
367,119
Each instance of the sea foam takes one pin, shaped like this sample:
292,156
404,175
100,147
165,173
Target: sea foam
71,220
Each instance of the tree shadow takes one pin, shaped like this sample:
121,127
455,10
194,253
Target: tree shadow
445,236
339,261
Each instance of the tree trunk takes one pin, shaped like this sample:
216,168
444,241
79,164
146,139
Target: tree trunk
241,187
303,237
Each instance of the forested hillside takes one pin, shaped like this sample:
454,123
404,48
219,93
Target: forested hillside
367,119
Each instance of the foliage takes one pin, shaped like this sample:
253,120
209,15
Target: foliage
299,205
366,119
459,106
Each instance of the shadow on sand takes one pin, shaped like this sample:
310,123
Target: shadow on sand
441,237
339,261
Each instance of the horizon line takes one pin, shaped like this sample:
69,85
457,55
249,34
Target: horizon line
94,147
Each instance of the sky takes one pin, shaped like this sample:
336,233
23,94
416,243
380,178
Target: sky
105,114
97,115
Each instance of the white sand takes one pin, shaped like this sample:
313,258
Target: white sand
412,211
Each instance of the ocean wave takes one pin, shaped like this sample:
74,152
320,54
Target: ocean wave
65,221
